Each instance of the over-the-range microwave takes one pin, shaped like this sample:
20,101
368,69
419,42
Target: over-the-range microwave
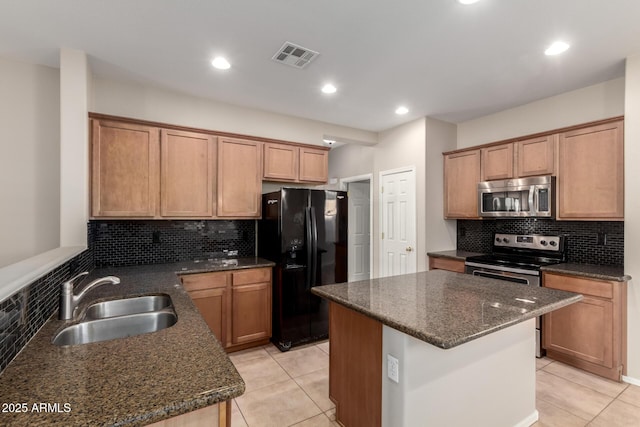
517,198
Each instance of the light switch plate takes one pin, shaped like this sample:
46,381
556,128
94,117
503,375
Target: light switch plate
393,368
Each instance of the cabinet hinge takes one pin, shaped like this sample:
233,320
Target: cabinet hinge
383,235
382,189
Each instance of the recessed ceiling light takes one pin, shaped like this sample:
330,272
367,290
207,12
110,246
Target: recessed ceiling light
220,63
402,110
329,88
468,1
556,48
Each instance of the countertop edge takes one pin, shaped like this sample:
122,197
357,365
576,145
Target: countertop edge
583,270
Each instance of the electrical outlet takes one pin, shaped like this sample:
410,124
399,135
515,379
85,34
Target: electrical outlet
393,368
602,239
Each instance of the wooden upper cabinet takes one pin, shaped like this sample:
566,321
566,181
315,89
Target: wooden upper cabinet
187,170
125,173
497,162
591,173
536,156
239,178
461,177
314,165
281,162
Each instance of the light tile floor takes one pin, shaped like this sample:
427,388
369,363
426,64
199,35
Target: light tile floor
292,389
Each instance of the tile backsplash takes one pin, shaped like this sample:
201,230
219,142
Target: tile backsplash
24,313
583,237
123,243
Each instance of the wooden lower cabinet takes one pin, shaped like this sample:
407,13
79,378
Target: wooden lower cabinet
437,263
355,367
590,334
235,304
218,415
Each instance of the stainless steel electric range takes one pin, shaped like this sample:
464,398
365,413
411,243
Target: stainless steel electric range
517,258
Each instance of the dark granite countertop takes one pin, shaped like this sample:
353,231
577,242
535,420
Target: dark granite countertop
443,308
131,381
453,254
592,271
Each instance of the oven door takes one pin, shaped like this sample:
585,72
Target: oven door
513,275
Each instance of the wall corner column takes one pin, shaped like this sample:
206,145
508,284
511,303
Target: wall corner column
74,147
632,206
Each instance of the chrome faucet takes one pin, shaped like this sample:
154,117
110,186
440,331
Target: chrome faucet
69,301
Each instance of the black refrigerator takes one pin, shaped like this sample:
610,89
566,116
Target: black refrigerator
305,233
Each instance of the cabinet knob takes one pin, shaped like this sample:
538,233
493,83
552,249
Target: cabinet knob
409,249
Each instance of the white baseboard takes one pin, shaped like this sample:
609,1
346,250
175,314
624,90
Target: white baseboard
631,380
530,420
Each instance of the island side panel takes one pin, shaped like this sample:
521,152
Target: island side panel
355,367
488,382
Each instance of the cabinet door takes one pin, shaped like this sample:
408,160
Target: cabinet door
212,305
461,177
591,173
239,178
583,330
280,162
536,156
125,170
187,170
251,313
455,265
314,165
497,162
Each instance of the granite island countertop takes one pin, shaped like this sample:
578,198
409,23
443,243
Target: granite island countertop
443,308
132,381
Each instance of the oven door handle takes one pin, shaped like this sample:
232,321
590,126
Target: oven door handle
502,276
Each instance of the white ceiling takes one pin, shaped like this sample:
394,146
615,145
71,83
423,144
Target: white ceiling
437,57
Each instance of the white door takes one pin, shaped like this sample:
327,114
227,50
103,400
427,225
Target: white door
359,234
398,222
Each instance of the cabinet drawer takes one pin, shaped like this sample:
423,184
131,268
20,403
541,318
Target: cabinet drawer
254,275
446,264
596,288
194,282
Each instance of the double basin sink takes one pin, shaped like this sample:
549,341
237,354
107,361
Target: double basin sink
120,318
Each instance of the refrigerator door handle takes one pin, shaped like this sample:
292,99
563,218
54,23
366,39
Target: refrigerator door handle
309,244
314,247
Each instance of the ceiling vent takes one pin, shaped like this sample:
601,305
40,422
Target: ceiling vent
294,55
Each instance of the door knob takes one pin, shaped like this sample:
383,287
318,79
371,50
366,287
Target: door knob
409,249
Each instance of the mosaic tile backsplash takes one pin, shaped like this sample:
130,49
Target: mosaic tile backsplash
24,313
588,242
124,243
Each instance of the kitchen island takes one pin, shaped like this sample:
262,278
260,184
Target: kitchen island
462,349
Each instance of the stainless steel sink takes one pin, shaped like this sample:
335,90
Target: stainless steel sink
123,307
116,327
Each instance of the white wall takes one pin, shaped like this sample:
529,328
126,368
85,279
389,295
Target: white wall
631,208
595,102
155,104
29,160
440,234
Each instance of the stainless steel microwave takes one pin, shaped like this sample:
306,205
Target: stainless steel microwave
517,198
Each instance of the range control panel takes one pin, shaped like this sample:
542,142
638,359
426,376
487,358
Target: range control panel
534,241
